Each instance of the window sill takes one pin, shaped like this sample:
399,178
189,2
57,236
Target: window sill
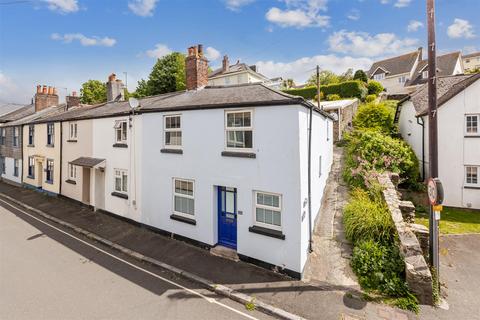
31,177
176,151
120,145
183,219
72,140
472,136
267,232
119,195
49,146
239,154
49,182
31,145
471,187
71,181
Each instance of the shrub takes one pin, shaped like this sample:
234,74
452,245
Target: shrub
370,98
374,116
308,93
370,151
374,87
365,219
347,89
360,75
333,97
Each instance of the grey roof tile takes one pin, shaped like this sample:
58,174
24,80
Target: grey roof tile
396,65
445,67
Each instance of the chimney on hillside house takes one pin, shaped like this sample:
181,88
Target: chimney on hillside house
45,97
196,68
115,89
225,63
72,100
420,53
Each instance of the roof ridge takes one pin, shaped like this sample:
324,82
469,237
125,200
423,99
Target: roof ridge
399,56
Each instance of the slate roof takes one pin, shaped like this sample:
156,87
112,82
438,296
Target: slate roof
235,68
445,67
210,97
37,116
471,55
17,114
396,65
87,162
447,88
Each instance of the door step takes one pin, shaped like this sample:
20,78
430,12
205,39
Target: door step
224,252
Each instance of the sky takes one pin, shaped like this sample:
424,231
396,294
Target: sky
64,43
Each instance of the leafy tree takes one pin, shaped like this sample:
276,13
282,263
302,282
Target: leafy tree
288,83
346,76
361,76
374,87
326,77
93,92
168,75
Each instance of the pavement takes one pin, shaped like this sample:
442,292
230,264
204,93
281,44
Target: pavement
47,274
308,300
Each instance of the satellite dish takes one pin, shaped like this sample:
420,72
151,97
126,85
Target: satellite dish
134,103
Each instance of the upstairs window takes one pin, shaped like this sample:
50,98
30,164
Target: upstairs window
50,134
121,181
173,131
16,136
239,130
471,176
183,198
402,79
31,134
120,131
2,136
49,171
471,124
73,131
379,76
425,74
268,210
31,167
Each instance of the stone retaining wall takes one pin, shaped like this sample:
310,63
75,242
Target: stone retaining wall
418,274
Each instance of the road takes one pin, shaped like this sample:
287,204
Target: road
49,273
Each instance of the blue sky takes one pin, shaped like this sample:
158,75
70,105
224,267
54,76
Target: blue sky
66,42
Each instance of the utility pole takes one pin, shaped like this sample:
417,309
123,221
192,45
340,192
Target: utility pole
318,87
432,130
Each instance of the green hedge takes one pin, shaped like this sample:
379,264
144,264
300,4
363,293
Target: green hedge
347,89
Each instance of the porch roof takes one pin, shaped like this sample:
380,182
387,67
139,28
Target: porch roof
87,162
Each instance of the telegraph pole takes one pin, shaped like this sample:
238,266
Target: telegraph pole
318,87
432,131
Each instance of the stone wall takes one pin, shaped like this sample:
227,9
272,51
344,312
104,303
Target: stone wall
417,271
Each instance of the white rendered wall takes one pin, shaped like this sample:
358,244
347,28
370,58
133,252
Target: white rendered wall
9,169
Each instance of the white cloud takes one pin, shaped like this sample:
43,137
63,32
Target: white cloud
301,69
402,3
63,6
143,8
461,29
366,45
354,14
414,25
236,5
9,91
212,54
84,40
299,14
159,51
469,49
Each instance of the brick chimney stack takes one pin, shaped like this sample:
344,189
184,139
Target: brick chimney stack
225,63
72,100
45,97
115,89
196,68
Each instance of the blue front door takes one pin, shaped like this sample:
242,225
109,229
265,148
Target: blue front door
227,217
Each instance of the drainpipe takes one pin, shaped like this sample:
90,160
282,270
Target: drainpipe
422,123
310,241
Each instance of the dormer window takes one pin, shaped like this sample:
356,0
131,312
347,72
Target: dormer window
379,76
425,74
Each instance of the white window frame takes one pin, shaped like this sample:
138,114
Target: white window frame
3,136
120,127
3,168
16,136
16,167
73,130
31,163
470,184
121,175
51,134
31,134
478,125
228,129
165,130
50,169
256,205
379,76
178,213
425,74
72,172
402,79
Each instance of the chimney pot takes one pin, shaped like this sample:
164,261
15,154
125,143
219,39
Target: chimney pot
200,50
196,68
54,90
115,89
44,89
74,93
46,97
225,63
39,89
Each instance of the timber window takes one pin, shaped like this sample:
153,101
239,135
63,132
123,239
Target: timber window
31,167
73,131
268,210
72,172
16,136
2,164
471,176
49,171
173,131
120,131
50,134
2,136
471,124
121,181
15,167
183,198
239,130
31,134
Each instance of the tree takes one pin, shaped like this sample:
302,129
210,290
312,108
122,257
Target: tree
288,83
374,87
346,76
93,92
361,76
326,77
168,75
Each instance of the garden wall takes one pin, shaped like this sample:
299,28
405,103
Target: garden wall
418,275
